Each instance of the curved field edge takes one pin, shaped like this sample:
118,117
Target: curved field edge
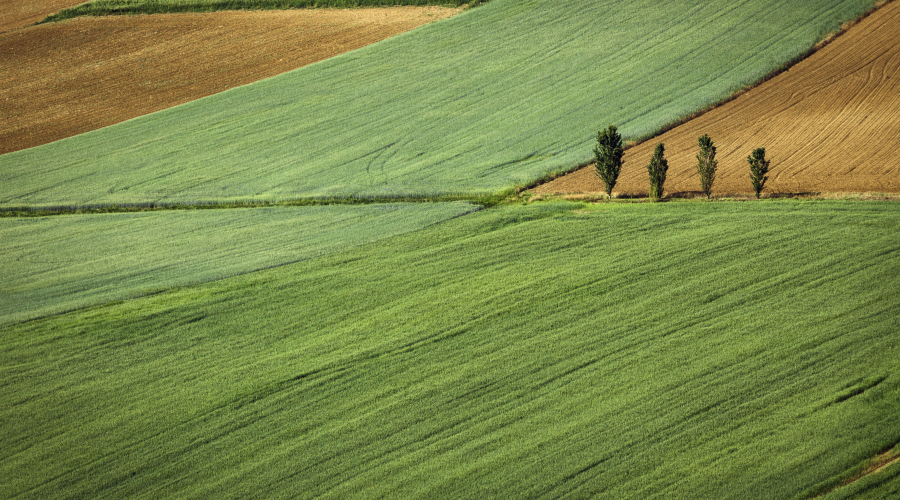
488,100
69,78
828,125
16,14
57,264
133,7
726,350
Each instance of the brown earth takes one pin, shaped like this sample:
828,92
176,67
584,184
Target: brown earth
829,124
18,13
62,79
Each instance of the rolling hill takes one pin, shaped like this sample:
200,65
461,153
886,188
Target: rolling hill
672,350
496,97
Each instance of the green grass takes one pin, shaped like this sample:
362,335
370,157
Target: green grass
493,98
119,7
672,350
56,264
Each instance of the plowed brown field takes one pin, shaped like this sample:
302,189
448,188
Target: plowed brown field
62,79
18,13
829,124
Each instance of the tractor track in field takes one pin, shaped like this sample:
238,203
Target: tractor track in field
62,79
880,463
829,124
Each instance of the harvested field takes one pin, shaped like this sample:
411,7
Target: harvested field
829,124
63,79
18,13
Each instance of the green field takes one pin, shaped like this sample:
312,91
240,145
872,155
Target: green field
119,7
56,264
674,350
493,98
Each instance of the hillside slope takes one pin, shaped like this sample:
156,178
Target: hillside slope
674,350
493,98
828,124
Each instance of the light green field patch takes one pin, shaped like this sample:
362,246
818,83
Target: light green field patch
672,350
493,98
55,264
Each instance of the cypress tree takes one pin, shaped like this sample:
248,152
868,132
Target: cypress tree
759,167
706,164
657,170
608,153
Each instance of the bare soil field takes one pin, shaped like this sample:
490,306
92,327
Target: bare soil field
19,13
62,79
829,124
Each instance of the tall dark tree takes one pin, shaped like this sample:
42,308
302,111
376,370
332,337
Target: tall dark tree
608,154
706,164
657,169
759,167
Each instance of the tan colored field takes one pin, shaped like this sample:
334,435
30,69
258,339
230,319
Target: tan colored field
18,13
830,124
62,79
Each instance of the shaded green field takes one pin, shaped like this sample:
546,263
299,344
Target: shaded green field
55,264
674,350
493,98
119,7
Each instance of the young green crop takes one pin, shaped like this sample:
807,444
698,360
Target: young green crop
493,98
56,264
670,350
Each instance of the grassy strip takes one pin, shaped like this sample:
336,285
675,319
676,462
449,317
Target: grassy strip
62,263
485,101
550,350
486,201
124,7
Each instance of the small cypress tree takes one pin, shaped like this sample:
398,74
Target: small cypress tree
608,153
759,167
657,170
706,164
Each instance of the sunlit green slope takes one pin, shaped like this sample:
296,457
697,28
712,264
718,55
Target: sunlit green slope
56,264
493,98
676,350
